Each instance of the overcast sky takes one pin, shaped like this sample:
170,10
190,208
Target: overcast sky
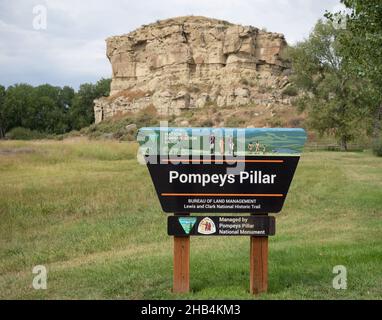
71,50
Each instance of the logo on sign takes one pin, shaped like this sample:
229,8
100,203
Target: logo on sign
187,223
206,226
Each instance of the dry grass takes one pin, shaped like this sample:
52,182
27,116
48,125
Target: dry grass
88,212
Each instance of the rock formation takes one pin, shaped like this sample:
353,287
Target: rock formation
191,62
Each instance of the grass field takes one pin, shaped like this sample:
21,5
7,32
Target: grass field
89,213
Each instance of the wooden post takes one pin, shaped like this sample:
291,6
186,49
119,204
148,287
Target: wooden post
258,265
181,277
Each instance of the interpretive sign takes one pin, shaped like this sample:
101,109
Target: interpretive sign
206,170
221,170
221,226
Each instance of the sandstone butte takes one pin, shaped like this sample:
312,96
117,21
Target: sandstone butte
192,62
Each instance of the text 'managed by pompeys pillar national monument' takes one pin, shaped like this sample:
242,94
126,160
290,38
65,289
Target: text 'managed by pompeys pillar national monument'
221,170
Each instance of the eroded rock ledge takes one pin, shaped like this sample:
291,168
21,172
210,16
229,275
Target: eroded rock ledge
190,62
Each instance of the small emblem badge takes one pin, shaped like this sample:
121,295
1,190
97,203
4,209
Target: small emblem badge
187,223
206,226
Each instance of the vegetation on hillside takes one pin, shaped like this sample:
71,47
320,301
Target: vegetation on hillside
122,127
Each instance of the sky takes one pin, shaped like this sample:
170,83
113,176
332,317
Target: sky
62,42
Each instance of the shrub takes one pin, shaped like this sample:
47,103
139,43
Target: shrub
264,88
295,122
20,133
194,89
74,133
207,123
290,91
247,82
234,122
147,117
275,122
377,148
244,81
188,113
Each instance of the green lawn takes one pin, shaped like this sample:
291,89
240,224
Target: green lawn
89,213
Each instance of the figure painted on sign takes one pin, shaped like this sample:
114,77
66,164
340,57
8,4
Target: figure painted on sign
250,147
222,146
257,145
231,146
212,144
264,148
207,226
184,141
179,145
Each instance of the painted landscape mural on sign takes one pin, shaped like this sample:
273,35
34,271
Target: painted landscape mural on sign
221,141
221,170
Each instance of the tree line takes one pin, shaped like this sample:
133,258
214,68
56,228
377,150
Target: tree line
49,109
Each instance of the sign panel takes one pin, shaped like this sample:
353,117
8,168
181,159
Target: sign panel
221,170
221,226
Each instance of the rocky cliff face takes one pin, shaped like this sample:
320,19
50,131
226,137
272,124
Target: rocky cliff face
190,62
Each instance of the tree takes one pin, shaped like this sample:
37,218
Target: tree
361,46
47,108
336,101
51,108
18,106
66,96
2,113
82,110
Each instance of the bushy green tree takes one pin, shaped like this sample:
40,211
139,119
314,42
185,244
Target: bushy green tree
49,109
337,102
66,96
49,114
362,47
82,112
19,106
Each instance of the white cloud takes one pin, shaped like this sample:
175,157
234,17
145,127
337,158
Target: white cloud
72,49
